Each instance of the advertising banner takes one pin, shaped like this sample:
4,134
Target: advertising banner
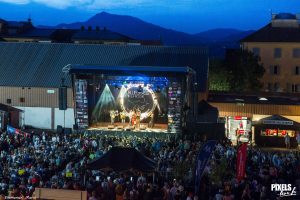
241,161
202,160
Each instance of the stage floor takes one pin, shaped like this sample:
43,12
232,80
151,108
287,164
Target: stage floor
158,128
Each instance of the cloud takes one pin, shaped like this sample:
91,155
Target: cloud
16,1
91,4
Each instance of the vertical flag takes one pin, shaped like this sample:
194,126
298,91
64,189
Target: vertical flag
241,161
201,161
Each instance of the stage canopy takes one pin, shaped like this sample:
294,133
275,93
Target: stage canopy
122,159
153,70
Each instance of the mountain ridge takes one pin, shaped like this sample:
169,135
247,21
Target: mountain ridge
141,30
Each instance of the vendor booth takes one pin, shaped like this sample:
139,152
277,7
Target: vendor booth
270,131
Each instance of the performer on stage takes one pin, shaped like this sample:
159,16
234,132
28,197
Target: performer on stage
133,119
116,115
112,117
130,117
151,122
138,118
123,117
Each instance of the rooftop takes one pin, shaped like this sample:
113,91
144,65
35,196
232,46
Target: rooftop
261,98
274,34
102,34
284,16
40,65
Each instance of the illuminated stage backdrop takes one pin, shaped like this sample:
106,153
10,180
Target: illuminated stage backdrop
138,97
162,96
148,95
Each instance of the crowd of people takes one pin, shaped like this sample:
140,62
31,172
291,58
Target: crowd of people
49,160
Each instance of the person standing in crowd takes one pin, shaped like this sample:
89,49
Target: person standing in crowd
237,136
287,140
250,138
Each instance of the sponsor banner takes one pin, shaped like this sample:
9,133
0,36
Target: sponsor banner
202,159
278,122
241,161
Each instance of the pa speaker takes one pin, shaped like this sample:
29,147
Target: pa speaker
59,129
62,98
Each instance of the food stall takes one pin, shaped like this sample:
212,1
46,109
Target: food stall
238,126
270,131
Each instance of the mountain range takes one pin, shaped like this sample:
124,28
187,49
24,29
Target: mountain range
215,39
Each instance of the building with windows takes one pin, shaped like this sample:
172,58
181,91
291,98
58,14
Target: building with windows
278,45
24,31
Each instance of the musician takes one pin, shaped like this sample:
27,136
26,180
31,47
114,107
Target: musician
123,117
133,118
116,115
130,117
138,118
151,122
112,117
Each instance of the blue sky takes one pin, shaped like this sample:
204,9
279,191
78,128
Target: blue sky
190,16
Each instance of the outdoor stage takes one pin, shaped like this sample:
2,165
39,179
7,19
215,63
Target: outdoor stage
138,100
158,128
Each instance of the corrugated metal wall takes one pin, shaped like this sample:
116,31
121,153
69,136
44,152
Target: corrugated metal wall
248,110
34,97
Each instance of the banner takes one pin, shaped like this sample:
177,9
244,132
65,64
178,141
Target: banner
202,160
12,130
241,161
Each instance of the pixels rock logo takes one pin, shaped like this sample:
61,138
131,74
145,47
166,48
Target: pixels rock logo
285,190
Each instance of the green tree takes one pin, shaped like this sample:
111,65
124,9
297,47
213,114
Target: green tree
245,70
218,76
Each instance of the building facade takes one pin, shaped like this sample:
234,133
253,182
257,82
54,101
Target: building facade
278,45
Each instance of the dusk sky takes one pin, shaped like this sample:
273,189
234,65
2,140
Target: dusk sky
190,16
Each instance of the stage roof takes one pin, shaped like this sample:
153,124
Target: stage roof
128,69
41,64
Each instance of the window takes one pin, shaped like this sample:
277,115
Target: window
277,53
297,70
274,70
22,99
8,101
256,51
296,53
295,88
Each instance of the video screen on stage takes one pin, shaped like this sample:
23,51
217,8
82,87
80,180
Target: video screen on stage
132,103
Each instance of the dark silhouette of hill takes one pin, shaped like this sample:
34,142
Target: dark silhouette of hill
216,39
